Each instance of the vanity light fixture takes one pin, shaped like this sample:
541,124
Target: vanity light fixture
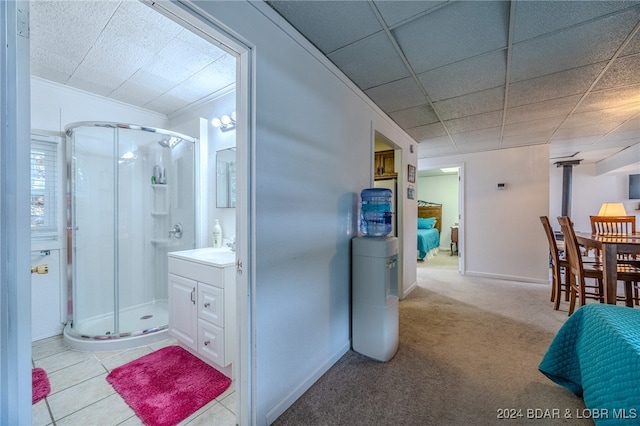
225,123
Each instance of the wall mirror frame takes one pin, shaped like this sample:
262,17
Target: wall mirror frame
226,178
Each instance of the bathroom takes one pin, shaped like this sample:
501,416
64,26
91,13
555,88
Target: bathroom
58,109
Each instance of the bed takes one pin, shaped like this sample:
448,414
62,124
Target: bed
429,229
596,355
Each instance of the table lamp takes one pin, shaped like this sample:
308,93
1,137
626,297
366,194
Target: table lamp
612,209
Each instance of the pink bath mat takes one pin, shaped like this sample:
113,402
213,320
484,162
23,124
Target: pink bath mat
168,385
39,384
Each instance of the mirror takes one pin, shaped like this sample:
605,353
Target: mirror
226,178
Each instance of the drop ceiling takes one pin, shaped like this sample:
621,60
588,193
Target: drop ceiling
125,50
470,76
457,76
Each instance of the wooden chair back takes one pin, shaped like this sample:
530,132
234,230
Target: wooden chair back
613,224
571,246
556,263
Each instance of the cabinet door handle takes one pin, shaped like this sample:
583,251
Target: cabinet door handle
193,296
207,343
206,305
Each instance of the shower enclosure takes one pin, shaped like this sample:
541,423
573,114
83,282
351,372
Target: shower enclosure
131,200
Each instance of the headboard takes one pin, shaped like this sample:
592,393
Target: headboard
427,209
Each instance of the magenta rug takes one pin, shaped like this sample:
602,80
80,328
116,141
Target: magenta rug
168,385
40,386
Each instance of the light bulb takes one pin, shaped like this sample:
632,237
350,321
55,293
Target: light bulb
233,116
226,120
215,121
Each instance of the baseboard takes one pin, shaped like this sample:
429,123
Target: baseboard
507,277
408,290
285,403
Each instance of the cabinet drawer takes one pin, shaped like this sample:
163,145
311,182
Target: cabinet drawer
211,304
211,342
197,271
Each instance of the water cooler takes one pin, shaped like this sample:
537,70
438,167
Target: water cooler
374,296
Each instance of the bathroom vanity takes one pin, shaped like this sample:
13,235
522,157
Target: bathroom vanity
202,301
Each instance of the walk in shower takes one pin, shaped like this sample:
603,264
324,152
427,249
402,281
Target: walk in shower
131,200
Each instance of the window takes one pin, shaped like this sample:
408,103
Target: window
45,188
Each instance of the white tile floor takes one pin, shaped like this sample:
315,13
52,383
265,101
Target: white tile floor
80,394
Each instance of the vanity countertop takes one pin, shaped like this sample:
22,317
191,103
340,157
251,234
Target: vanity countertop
218,257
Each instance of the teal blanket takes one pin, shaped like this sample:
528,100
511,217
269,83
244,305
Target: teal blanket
428,239
596,355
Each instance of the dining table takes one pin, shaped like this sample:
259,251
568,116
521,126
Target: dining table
610,245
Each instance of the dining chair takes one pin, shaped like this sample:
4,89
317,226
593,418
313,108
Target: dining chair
617,225
579,272
559,263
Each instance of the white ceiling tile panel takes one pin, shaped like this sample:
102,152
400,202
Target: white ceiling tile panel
615,116
488,145
605,99
633,47
537,138
426,132
592,42
477,136
121,58
330,24
190,58
397,95
457,31
438,141
437,151
366,70
50,65
475,122
394,12
213,78
414,117
153,80
623,72
534,126
135,94
200,45
68,28
552,86
468,76
587,131
93,83
534,18
166,103
552,108
474,103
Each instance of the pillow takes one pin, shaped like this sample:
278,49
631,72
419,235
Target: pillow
426,223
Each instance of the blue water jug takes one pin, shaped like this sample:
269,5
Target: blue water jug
375,214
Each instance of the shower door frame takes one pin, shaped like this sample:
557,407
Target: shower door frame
71,222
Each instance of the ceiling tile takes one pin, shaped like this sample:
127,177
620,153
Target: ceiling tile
428,151
610,98
596,130
214,77
50,66
489,145
485,135
468,76
592,42
475,103
533,126
452,33
329,24
414,117
135,94
623,72
553,86
426,132
394,12
611,115
367,70
633,47
534,18
397,95
537,138
552,108
475,122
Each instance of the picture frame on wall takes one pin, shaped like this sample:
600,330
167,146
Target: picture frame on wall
412,174
411,193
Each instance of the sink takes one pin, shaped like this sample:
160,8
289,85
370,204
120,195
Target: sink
219,257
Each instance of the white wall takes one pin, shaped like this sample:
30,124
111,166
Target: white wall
502,233
53,106
443,190
589,191
313,135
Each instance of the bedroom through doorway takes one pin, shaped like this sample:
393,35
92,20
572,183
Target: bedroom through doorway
439,218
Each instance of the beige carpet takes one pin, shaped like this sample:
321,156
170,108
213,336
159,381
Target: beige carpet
469,348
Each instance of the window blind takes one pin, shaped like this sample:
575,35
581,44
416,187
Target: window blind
44,189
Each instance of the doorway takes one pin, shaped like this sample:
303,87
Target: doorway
444,186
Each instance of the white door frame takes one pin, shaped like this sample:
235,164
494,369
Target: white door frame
15,230
194,18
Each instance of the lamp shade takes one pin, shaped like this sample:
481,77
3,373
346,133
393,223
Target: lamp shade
612,209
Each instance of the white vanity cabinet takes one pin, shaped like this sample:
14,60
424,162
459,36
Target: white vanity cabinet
202,302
